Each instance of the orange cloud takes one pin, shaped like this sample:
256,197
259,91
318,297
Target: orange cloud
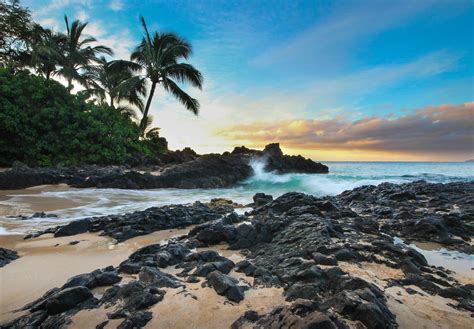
443,132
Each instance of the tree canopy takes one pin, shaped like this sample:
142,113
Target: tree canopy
108,119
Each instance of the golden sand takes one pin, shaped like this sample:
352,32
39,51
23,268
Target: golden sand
47,262
416,311
425,312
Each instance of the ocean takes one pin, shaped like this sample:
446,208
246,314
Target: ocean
343,176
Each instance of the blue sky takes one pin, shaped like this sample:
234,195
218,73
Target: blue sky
287,61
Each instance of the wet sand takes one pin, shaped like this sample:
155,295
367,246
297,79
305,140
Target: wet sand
424,310
47,262
30,200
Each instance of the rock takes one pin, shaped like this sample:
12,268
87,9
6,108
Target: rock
248,316
344,255
455,292
184,169
157,278
224,266
317,320
19,166
223,206
298,315
226,286
131,297
137,320
98,278
7,256
73,228
260,199
65,300
124,227
319,258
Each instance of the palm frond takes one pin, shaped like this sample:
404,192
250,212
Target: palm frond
184,72
190,103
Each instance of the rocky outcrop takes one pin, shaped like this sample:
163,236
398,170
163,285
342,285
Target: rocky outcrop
124,227
315,249
420,211
191,171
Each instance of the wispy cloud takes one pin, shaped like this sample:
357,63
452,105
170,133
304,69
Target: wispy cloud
121,41
351,88
116,5
442,130
330,41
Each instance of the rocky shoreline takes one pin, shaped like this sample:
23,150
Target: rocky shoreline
182,169
336,260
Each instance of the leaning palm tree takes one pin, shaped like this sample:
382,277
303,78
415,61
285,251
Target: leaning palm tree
156,60
78,54
113,86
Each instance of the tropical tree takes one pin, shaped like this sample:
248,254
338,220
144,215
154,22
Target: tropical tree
156,60
113,87
46,50
15,34
78,54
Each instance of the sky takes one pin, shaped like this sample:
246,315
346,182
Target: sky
368,80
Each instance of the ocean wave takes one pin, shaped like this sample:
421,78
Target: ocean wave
343,179
342,176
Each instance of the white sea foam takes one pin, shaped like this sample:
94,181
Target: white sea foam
342,176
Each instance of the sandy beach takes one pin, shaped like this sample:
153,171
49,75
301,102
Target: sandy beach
47,262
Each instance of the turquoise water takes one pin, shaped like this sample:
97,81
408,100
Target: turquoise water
343,176
348,175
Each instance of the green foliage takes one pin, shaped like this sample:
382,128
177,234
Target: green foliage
15,33
156,144
40,122
158,58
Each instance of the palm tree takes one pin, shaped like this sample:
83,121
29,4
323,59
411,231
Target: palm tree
108,84
156,62
46,50
77,54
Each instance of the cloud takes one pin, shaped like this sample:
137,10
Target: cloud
357,85
57,5
439,131
82,16
116,5
327,99
121,41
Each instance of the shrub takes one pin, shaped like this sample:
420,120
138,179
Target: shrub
41,123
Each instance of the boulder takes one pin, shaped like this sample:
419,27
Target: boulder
226,286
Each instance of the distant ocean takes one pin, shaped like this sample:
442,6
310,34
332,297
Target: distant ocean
343,176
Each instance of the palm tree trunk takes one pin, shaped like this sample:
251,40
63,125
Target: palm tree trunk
147,107
111,102
69,85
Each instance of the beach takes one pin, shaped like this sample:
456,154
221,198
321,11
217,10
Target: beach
47,260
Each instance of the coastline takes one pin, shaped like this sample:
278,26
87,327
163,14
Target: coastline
47,261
